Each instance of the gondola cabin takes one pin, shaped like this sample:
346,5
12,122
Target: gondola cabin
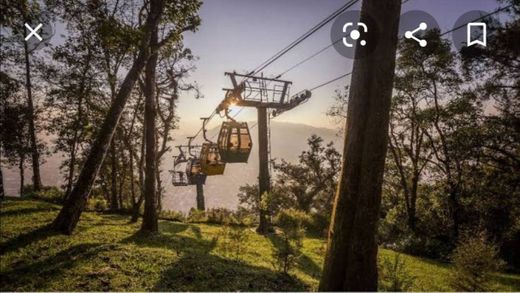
194,172
179,176
210,161
234,142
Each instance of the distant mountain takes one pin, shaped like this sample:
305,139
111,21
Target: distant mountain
288,140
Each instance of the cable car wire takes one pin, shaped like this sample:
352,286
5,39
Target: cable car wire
480,18
284,51
347,74
303,37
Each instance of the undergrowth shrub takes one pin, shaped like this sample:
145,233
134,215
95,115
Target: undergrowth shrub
475,259
197,216
318,224
288,248
172,216
426,246
221,216
97,204
393,275
232,240
50,194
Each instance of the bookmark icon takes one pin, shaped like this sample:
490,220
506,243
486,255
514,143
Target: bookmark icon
481,39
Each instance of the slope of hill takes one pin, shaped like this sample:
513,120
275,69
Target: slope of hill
106,253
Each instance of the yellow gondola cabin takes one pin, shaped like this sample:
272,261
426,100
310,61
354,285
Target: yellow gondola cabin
210,161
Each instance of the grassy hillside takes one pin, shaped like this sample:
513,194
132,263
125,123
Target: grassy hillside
107,253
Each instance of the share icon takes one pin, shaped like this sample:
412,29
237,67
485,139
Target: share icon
410,34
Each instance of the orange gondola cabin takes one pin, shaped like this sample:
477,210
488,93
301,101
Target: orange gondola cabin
210,160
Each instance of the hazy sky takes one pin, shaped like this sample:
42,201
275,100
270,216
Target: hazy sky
240,34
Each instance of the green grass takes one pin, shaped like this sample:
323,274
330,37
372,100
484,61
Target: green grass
107,253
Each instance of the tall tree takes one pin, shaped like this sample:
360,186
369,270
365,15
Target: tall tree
25,9
177,17
69,215
173,68
311,183
19,58
14,126
162,83
407,139
351,258
150,215
447,115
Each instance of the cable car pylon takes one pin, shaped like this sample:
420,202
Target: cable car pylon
254,91
196,176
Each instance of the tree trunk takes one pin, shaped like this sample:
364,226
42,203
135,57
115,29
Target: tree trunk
37,181
158,181
200,197
2,191
412,218
351,259
22,175
135,209
69,215
75,139
122,178
137,205
132,177
150,215
113,177
72,163
455,211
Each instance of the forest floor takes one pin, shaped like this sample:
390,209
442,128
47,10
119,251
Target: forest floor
106,252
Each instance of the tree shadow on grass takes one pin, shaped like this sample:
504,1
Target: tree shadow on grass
173,227
196,231
37,275
508,281
22,240
197,269
25,211
170,239
305,263
206,272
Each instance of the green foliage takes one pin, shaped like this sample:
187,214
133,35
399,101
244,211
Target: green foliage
240,217
97,204
220,216
310,184
475,259
232,240
288,251
453,163
172,216
268,204
393,275
50,194
197,216
317,224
